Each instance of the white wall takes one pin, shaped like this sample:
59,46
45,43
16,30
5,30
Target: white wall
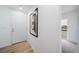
5,27
10,18
48,30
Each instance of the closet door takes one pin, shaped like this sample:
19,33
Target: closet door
5,30
19,26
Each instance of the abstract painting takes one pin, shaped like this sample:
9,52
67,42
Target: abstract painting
34,23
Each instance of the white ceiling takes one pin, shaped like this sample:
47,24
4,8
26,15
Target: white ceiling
68,8
26,8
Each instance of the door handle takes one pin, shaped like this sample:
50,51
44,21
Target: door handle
12,29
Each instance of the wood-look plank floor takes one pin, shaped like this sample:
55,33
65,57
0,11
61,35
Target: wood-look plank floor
20,47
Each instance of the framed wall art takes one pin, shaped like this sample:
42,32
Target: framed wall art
34,23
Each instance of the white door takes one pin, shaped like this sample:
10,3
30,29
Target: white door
19,26
5,29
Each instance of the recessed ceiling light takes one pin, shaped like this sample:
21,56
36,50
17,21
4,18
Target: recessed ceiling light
20,8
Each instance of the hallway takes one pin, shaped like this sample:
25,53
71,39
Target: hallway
47,28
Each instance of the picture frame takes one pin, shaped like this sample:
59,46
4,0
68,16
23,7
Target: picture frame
34,23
